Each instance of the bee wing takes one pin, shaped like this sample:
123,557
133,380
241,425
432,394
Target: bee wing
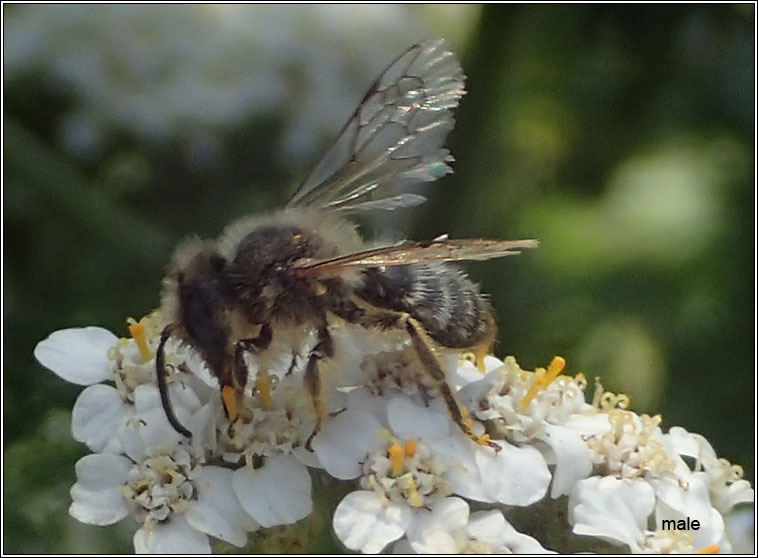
438,250
393,138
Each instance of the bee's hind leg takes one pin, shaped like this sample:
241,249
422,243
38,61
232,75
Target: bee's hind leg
324,348
432,366
387,319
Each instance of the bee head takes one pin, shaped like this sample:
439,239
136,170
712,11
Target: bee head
193,296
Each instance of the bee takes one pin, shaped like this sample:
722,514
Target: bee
306,266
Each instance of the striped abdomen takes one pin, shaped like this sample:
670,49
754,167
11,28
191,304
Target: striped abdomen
446,302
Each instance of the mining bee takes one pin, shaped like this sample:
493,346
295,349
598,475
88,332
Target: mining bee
305,267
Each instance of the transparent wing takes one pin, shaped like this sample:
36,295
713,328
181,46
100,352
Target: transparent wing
393,138
438,250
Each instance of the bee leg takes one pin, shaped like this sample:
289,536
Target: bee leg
231,388
383,319
312,380
293,363
160,368
432,366
252,346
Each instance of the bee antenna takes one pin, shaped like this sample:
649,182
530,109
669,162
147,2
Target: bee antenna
160,368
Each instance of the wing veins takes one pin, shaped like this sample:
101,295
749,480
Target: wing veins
446,250
400,96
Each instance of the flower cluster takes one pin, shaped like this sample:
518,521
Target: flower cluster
167,74
414,481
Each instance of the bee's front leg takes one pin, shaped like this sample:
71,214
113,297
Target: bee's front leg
252,346
324,348
230,393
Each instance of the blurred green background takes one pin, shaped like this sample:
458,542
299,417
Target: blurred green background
620,136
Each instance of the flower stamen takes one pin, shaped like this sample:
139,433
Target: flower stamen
396,456
263,385
543,380
410,447
137,330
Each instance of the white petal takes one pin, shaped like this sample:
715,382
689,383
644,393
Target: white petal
173,537
217,511
363,400
462,472
691,501
493,530
612,509
481,385
98,413
726,498
451,512
516,476
573,461
412,420
98,471
691,445
147,397
307,458
589,425
435,532
279,493
465,374
96,496
202,424
78,355
345,442
151,430
362,521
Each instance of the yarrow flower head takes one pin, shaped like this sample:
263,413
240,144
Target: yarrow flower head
409,474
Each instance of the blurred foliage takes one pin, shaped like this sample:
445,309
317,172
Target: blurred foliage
620,136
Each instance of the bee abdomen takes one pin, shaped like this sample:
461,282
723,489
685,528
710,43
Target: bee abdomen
442,298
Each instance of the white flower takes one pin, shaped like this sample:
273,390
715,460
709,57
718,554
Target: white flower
409,456
162,483
388,428
80,356
161,85
725,484
619,510
447,528
522,409
274,419
86,356
415,452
